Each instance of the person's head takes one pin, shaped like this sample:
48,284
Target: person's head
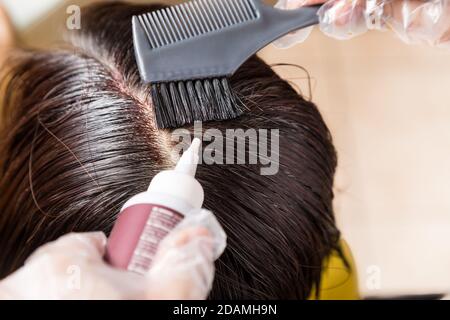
78,138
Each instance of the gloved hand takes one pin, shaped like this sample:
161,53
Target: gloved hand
72,267
414,21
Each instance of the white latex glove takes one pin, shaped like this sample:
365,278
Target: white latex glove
298,36
413,21
72,267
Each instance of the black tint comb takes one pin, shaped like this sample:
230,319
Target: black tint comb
188,51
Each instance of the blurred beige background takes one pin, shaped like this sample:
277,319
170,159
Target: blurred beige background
388,107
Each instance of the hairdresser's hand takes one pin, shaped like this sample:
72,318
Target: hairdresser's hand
72,267
413,21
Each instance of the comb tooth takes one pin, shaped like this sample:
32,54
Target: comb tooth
218,14
162,25
251,8
237,8
247,9
188,20
152,28
226,4
155,29
225,13
203,16
192,18
147,32
153,22
176,26
168,25
195,14
243,10
234,13
183,21
210,14
181,26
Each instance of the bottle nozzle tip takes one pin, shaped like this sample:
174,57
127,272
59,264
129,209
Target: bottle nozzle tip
189,160
195,145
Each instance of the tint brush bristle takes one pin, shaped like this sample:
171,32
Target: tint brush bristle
180,103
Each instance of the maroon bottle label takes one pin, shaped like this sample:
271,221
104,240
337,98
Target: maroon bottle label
136,236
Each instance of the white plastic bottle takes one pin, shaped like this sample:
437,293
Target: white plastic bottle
147,218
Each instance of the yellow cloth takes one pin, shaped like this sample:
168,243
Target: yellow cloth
338,282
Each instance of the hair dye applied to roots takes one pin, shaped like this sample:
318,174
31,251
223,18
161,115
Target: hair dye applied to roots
79,138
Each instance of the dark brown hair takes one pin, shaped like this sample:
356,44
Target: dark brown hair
78,139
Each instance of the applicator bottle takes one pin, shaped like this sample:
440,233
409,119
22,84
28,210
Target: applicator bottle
147,218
